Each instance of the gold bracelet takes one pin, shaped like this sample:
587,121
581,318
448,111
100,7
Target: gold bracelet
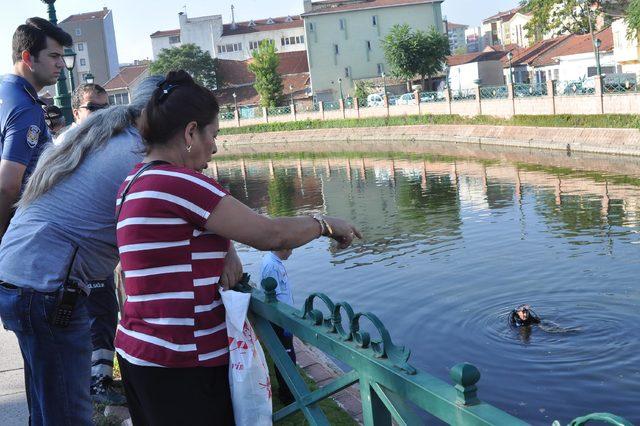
330,231
321,221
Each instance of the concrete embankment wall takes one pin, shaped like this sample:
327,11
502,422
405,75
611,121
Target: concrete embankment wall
603,141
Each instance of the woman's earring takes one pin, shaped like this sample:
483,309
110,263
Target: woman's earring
188,148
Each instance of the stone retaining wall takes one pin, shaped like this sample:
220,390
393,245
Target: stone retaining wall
603,141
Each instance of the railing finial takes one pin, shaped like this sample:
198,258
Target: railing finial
269,285
465,376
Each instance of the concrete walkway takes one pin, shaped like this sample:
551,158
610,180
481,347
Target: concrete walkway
13,401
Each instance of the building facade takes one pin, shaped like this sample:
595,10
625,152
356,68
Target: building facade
235,41
343,39
94,41
626,49
474,39
120,87
457,37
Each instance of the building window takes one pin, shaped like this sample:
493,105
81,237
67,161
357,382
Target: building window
368,45
174,39
343,23
80,47
83,62
78,32
380,69
556,74
312,27
374,21
119,99
336,49
299,39
254,45
347,72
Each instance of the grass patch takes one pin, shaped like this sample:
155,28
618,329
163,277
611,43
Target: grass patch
622,121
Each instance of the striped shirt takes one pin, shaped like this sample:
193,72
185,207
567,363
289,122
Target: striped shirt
173,315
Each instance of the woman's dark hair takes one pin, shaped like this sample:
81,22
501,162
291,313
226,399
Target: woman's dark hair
177,101
32,37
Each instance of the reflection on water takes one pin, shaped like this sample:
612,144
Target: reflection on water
453,244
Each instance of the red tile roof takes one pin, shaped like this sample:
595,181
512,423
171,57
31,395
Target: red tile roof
529,55
247,95
86,16
167,33
333,6
469,58
236,73
125,77
453,26
503,16
262,25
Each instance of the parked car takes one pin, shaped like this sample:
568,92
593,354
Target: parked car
375,99
431,96
407,99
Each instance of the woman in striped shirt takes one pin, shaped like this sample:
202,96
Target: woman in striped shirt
175,227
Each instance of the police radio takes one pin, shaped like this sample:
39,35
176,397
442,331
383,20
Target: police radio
67,298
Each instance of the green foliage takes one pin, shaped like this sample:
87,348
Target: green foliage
570,16
189,57
265,67
461,50
626,121
363,89
412,53
633,18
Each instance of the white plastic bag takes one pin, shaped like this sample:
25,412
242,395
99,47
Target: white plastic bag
248,372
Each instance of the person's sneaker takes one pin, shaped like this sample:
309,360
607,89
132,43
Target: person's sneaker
103,393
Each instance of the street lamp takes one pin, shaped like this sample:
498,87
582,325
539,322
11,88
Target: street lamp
597,45
63,97
69,58
88,78
340,85
510,57
384,85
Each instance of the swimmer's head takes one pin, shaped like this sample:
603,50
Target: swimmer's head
523,312
523,315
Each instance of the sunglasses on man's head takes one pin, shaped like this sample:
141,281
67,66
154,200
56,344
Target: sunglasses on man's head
94,107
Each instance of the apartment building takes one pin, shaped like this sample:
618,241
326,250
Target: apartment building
94,41
233,41
343,39
457,38
474,39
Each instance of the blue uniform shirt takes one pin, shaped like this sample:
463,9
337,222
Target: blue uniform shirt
23,131
273,267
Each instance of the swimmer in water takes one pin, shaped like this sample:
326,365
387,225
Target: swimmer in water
523,316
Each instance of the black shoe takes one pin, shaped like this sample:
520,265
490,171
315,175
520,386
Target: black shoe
102,392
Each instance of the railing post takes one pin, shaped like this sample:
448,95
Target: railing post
511,97
599,95
356,106
385,101
236,116
447,97
265,114
478,100
551,94
341,103
416,93
321,107
293,111
465,377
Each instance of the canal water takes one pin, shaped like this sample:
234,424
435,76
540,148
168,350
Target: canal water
454,242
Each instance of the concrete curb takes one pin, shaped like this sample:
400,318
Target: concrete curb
591,140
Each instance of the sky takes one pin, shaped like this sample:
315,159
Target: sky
135,20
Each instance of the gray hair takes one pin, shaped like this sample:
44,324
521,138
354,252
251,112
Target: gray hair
57,162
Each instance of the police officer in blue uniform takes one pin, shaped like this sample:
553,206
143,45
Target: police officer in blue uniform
38,46
37,50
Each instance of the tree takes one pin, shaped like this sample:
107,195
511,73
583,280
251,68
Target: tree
411,53
189,57
633,18
265,67
460,50
560,17
362,90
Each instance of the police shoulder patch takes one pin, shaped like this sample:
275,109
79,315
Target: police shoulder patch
33,134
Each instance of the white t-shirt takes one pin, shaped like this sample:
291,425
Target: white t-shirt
273,267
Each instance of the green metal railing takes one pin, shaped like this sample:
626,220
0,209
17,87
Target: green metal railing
463,95
494,92
522,90
390,388
619,87
432,97
226,115
282,110
573,88
331,106
314,107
